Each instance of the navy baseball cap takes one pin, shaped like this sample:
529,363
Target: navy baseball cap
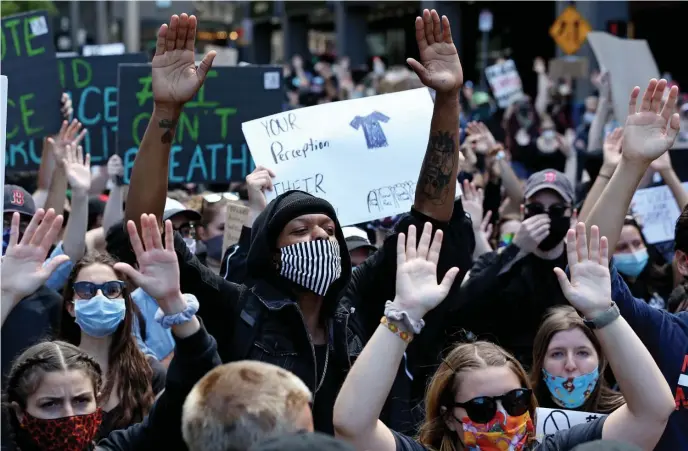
19,200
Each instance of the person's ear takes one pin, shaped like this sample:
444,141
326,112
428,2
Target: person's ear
70,308
18,411
681,262
449,419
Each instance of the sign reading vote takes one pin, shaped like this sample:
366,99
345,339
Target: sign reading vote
550,421
33,102
91,82
362,155
570,30
208,145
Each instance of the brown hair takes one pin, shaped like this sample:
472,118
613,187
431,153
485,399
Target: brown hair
127,364
439,397
603,399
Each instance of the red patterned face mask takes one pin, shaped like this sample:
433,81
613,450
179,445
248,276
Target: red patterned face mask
63,434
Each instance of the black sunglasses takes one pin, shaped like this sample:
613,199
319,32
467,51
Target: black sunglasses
111,290
484,408
554,211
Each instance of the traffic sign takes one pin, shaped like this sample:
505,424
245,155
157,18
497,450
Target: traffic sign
570,30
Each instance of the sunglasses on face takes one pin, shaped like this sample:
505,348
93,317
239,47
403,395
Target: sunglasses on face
213,198
186,230
111,290
554,211
484,408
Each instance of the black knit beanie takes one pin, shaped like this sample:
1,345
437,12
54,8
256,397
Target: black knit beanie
296,203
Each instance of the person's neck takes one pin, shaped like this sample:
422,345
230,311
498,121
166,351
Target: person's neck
310,305
551,254
214,265
98,348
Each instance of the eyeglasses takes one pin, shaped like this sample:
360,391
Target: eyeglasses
484,408
213,198
111,290
554,211
186,230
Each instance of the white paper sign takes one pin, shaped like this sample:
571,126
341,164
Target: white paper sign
657,210
362,155
505,83
549,421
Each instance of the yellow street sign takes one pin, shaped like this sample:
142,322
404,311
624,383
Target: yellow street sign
570,30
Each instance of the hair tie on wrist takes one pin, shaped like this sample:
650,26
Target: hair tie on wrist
393,313
182,317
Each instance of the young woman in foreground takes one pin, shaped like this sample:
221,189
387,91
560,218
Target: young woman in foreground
480,397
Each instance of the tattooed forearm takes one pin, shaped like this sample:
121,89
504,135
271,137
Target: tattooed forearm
169,126
438,166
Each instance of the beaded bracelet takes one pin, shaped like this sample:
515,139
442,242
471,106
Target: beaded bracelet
407,337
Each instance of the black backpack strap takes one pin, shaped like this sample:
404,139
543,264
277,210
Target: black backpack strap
246,326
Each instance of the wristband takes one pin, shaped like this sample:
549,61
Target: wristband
394,314
407,337
176,319
603,319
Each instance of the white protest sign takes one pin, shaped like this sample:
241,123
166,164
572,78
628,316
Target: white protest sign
3,129
550,421
657,210
362,155
505,83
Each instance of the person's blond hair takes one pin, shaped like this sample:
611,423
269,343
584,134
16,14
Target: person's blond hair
238,404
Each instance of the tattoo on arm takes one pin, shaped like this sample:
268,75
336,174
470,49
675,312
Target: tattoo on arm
438,166
169,126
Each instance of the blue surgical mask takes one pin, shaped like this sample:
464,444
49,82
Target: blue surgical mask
631,264
213,247
571,392
99,316
588,117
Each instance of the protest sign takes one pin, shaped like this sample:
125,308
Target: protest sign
362,155
568,66
657,210
208,145
550,421
92,84
33,101
237,213
505,83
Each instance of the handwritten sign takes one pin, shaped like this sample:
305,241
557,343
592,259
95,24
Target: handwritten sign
550,421
33,101
505,83
92,84
362,155
657,210
570,30
237,213
208,145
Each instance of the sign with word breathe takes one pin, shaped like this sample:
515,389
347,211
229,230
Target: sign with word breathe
570,30
362,155
550,421
91,82
33,102
505,83
208,145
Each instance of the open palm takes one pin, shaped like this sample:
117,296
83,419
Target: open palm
77,168
417,290
649,133
590,288
176,79
440,67
158,271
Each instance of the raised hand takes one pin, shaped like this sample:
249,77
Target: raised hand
601,82
563,144
69,134
472,201
77,169
649,132
532,232
417,291
176,79
539,66
257,182
485,141
158,271
611,150
439,67
590,289
66,108
115,168
22,265
663,163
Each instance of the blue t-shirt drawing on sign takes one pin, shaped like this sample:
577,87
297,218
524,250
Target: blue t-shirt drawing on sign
374,135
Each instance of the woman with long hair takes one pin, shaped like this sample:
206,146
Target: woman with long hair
97,316
569,365
480,397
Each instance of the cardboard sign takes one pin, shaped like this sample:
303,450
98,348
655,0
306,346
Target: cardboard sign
574,67
362,155
33,102
237,213
505,83
570,30
550,421
657,210
208,145
92,84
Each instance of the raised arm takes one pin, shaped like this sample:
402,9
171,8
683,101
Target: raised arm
604,108
648,133
439,69
176,79
641,421
611,155
77,167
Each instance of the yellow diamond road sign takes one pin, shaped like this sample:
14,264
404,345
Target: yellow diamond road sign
570,30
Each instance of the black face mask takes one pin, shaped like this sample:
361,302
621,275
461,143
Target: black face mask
557,231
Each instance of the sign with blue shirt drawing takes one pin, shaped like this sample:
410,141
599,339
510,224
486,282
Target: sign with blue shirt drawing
362,155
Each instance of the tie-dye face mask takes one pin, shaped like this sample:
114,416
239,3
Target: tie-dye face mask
503,433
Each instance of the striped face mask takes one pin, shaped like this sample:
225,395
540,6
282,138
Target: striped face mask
314,265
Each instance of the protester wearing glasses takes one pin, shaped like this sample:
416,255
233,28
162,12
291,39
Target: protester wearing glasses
480,397
210,229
